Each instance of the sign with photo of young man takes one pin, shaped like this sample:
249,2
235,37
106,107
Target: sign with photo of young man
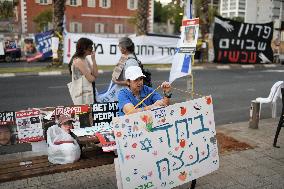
189,35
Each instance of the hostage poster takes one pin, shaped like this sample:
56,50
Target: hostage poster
238,42
29,125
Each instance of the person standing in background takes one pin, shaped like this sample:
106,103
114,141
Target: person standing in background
128,58
79,67
203,55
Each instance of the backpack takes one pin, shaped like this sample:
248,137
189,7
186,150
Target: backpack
147,80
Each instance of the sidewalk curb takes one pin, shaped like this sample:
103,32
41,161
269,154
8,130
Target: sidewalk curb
195,67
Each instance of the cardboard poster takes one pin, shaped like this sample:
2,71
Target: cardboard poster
29,126
168,146
189,35
103,113
107,140
81,114
43,45
7,118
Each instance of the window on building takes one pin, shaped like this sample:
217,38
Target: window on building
73,2
75,27
225,8
105,3
43,1
118,28
99,28
91,3
232,14
132,4
224,14
241,14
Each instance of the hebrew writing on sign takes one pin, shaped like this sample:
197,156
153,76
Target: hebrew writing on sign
237,42
168,146
43,45
29,125
150,49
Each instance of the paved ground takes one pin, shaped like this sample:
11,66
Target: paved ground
258,168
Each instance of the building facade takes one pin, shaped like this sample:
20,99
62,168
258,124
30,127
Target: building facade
88,16
262,11
232,8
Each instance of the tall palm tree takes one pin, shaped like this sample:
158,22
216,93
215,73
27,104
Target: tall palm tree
58,17
142,16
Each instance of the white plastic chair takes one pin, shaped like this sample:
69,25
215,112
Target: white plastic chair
272,98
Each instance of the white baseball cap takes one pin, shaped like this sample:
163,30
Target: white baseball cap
133,72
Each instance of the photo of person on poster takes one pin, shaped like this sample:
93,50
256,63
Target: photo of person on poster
7,135
189,33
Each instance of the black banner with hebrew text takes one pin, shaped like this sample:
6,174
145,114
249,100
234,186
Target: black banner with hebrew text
237,42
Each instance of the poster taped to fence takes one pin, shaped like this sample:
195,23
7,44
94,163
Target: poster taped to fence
167,147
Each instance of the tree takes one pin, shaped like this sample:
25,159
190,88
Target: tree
174,13
142,15
58,17
6,9
160,14
238,19
206,14
43,19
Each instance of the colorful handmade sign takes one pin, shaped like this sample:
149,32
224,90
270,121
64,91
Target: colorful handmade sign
29,125
167,147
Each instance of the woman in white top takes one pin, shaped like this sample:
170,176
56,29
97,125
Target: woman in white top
80,67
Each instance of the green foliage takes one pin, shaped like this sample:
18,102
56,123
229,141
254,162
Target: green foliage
43,19
175,14
239,19
171,12
6,9
160,14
